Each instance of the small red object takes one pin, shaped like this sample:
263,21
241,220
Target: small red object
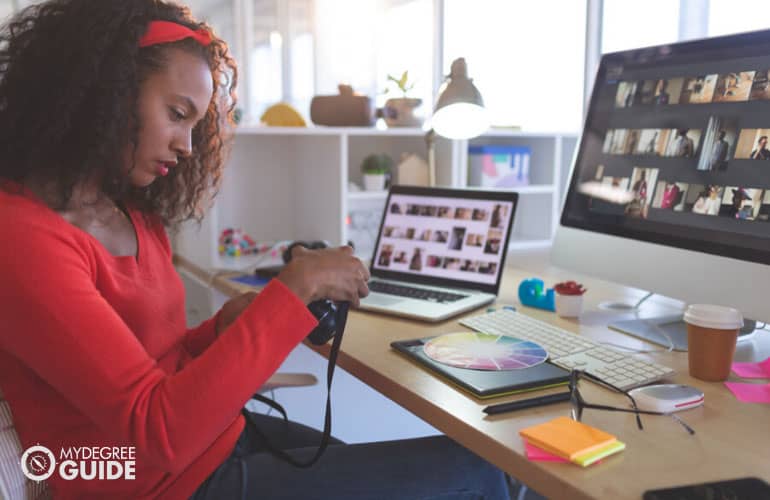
569,288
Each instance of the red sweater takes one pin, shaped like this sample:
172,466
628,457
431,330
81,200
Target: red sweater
94,351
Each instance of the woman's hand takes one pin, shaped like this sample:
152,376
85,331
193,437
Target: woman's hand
232,309
331,273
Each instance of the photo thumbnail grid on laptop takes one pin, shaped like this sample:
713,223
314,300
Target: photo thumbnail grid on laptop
444,237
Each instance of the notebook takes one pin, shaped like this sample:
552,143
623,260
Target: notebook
486,384
567,438
439,252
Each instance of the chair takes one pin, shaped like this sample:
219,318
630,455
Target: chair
15,486
280,380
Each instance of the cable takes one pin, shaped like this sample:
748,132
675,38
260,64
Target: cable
642,300
661,332
270,408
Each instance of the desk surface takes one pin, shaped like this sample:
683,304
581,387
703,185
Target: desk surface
731,440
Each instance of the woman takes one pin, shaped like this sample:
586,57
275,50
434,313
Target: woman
115,117
670,196
708,202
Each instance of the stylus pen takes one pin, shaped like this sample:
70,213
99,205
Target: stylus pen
527,403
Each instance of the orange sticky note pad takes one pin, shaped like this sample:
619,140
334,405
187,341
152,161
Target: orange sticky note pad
567,438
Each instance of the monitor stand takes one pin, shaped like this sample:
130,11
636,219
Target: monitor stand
669,331
624,307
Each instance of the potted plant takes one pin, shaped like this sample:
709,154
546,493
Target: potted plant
400,111
376,169
569,299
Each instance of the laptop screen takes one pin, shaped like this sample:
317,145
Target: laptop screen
444,236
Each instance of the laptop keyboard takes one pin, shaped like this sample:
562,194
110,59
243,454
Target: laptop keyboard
414,293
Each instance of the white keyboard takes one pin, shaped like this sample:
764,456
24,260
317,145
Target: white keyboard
571,351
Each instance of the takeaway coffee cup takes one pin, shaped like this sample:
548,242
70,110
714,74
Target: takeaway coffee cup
711,335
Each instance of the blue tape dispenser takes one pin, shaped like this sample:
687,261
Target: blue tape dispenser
532,293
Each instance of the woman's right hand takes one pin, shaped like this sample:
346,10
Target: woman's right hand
330,273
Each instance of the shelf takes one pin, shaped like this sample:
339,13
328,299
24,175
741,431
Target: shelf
304,131
535,189
246,129
503,132
381,195
529,244
368,195
330,131
532,189
389,132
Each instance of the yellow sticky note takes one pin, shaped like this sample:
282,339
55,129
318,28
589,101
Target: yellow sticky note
588,458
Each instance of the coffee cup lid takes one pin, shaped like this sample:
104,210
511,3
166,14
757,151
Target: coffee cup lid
710,316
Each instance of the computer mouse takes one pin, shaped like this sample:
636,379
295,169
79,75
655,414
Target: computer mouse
667,398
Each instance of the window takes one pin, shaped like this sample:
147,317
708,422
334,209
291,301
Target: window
629,25
526,58
265,66
301,50
530,73
405,43
735,16
218,14
6,9
346,36
362,42
336,41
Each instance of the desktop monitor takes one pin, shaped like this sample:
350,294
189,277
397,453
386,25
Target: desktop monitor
678,133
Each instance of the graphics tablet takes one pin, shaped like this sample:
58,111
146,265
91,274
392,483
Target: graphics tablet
484,383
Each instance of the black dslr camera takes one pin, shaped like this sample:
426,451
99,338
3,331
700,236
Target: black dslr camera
326,312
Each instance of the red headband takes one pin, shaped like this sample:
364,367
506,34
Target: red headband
167,31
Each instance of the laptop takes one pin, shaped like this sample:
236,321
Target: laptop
439,252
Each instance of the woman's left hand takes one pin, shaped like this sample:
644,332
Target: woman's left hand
232,309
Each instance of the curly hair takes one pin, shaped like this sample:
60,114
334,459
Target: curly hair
70,74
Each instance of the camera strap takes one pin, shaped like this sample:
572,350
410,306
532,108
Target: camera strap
342,316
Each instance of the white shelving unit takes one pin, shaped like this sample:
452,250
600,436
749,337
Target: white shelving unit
294,183
291,183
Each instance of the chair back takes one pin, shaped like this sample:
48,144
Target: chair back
13,484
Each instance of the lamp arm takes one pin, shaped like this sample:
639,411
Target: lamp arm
430,143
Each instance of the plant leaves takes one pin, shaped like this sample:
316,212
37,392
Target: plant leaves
402,82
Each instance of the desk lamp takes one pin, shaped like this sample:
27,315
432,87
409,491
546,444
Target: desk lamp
459,112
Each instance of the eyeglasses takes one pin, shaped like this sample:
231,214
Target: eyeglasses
579,404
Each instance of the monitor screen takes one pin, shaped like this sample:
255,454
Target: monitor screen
459,238
679,135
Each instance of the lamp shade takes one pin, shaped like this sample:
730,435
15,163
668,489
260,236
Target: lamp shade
459,112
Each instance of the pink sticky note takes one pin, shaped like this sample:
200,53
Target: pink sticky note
750,393
540,455
753,370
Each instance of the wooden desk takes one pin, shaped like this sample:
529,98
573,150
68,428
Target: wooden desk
732,439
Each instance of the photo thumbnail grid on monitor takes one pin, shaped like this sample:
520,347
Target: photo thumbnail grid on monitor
458,239
683,130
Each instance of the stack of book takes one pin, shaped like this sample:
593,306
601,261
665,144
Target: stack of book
565,440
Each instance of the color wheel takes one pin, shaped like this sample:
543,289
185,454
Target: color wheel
483,351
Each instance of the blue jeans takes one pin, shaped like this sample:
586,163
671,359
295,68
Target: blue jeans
426,468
